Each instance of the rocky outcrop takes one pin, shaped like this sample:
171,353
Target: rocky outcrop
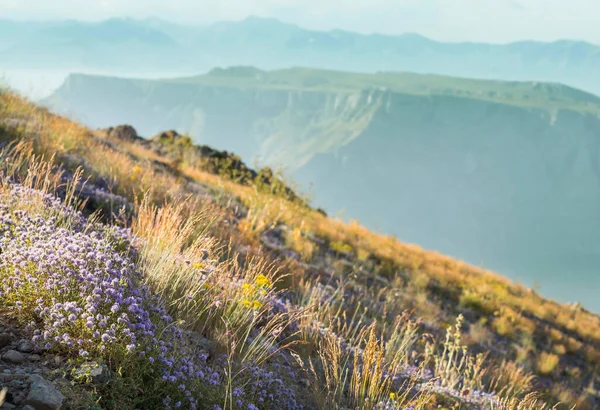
26,377
43,395
122,132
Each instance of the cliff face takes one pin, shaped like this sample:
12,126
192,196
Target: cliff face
277,125
517,190
513,187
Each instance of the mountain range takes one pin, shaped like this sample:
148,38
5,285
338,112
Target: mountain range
153,45
504,174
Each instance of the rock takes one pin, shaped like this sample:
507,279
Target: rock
34,358
28,407
4,340
98,373
11,406
12,356
57,360
43,395
123,132
26,346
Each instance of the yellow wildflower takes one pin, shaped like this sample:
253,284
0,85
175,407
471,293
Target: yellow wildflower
393,396
262,281
198,265
248,288
257,304
247,303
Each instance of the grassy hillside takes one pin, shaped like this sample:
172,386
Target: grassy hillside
526,94
532,94
500,174
210,293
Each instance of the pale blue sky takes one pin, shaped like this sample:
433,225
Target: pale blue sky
450,20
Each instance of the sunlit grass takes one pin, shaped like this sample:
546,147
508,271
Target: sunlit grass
216,279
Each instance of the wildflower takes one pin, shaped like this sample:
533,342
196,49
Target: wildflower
96,304
393,396
262,281
198,265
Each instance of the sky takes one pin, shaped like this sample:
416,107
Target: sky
493,21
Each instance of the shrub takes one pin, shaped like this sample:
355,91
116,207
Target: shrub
503,325
546,363
475,302
341,247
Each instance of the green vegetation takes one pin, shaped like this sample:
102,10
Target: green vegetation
547,96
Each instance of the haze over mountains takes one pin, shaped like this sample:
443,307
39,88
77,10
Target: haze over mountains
501,173
152,45
504,173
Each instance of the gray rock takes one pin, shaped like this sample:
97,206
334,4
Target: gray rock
43,395
12,356
34,357
124,132
28,407
5,340
26,346
10,406
18,398
97,373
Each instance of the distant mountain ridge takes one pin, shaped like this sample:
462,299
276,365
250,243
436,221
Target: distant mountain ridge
504,173
138,45
341,104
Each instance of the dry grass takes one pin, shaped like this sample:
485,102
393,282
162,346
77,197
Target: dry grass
206,287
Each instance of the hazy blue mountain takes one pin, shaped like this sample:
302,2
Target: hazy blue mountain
152,44
111,44
13,32
501,173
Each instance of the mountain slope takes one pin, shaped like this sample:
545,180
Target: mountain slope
272,44
503,174
249,275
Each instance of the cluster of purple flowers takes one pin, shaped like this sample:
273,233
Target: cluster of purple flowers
80,287
268,387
